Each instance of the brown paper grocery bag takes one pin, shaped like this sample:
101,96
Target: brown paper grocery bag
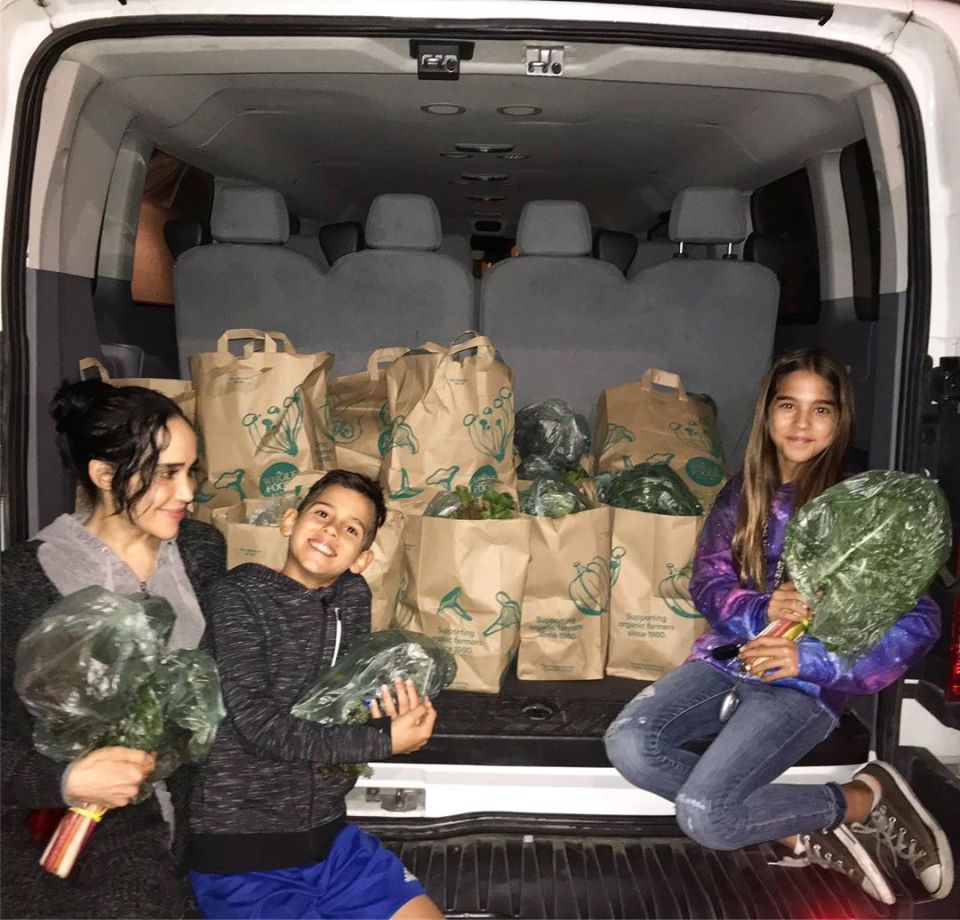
451,424
248,542
385,572
566,603
652,619
656,420
256,415
356,414
463,585
180,391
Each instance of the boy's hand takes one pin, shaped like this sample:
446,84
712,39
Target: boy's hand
406,700
412,730
786,603
771,658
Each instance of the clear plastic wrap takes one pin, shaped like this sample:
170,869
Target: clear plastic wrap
864,552
94,671
270,513
553,431
341,695
552,497
464,505
652,487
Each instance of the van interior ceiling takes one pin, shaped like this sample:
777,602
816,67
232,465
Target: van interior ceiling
332,122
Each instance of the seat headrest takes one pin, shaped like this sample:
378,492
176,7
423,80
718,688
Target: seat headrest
403,222
708,215
554,228
247,214
615,247
338,240
183,233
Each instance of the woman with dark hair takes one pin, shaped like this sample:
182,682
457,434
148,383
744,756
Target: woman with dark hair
794,692
135,455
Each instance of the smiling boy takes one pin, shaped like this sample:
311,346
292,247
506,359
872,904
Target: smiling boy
269,836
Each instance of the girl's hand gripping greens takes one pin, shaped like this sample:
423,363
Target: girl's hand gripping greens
412,718
786,603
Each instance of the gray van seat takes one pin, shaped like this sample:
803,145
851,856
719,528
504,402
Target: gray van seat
338,240
615,247
183,233
246,278
651,252
397,291
710,320
553,310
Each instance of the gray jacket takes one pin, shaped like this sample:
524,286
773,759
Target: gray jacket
265,798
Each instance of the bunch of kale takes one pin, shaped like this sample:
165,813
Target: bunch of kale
864,552
94,671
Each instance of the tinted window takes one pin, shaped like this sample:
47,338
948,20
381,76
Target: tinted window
863,218
785,240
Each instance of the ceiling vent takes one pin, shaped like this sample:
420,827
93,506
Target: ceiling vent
519,111
484,177
442,108
486,198
487,226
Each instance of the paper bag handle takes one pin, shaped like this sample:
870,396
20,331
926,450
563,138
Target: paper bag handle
269,340
664,379
480,342
89,364
383,356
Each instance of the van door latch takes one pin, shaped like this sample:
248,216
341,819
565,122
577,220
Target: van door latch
397,798
544,62
440,60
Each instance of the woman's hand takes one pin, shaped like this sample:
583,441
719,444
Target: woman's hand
109,776
412,730
771,658
786,603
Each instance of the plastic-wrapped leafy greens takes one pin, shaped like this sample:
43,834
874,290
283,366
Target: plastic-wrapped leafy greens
553,431
652,487
269,515
463,505
549,496
533,466
94,671
340,695
863,553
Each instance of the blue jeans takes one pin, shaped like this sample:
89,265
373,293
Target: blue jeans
726,797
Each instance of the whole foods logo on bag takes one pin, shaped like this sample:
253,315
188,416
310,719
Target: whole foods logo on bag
704,471
593,582
276,430
275,477
491,430
674,588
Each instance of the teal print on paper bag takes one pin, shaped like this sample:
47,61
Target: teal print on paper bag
698,435
276,430
406,490
674,588
484,478
616,434
450,602
704,471
232,480
274,479
398,434
403,610
492,430
509,616
330,419
443,477
593,581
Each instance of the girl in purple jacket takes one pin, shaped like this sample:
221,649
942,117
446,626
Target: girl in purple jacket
794,692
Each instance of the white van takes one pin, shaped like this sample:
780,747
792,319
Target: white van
832,130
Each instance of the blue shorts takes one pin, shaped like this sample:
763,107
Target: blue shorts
359,879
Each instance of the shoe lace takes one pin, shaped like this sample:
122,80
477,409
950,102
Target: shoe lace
817,855
892,836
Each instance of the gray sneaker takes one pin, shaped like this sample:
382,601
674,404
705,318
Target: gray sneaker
840,851
905,832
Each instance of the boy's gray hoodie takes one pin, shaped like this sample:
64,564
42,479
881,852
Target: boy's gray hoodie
265,797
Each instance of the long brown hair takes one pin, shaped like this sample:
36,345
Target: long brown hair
761,470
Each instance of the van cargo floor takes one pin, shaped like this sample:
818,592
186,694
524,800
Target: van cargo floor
657,877
561,723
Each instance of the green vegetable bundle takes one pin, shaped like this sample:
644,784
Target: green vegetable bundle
552,431
549,496
652,487
864,552
94,671
463,505
341,696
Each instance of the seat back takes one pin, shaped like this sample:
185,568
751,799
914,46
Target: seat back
246,278
710,320
615,247
399,290
553,311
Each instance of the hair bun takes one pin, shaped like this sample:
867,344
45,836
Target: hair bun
73,401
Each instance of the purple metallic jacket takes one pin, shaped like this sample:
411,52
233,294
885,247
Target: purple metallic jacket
737,613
